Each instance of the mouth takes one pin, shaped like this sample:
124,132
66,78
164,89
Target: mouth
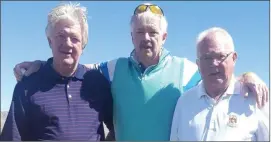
65,53
147,47
214,74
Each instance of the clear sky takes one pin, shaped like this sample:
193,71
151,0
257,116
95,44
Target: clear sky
23,33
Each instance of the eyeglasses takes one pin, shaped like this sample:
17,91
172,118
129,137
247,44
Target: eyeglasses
218,57
152,7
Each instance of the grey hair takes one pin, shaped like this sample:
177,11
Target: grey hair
215,30
149,15
70,11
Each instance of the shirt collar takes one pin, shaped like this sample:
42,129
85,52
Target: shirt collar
233,89
163,54
50,73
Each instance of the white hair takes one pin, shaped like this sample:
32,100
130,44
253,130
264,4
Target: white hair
216,31
70,11
149,16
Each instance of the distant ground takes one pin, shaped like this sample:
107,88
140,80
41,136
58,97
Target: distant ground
3,118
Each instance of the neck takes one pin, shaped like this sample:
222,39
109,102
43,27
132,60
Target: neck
216,92
65,70
146,62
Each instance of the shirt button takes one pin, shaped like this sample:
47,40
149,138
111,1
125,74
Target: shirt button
68,86
70,96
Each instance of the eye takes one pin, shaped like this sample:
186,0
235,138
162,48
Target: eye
140,32
75,39
60,36
153,33
222,56
206,57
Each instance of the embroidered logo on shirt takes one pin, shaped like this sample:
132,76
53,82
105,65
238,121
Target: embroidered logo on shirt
232,121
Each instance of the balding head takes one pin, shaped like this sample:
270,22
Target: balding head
215,37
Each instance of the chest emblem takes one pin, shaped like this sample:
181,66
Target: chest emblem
232,120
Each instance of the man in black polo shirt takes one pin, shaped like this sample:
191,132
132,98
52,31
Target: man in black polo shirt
53,103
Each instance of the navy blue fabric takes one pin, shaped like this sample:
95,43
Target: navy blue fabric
47,106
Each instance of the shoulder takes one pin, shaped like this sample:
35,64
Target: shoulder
189,96
32,80
192,92
94,76
187,64
112,63
27,83
108,68
94,85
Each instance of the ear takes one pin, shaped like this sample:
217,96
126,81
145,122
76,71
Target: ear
164,37
234,57
198,64
132,37
50,42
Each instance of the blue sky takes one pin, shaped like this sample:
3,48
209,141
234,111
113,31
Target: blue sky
23,33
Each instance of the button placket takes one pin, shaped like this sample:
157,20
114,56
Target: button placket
69,95
213,126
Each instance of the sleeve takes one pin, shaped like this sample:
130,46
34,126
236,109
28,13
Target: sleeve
262,132
97,90
108,105
191,75
175,125
15,126
108,69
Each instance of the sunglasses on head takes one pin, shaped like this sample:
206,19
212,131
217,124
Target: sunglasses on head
152,7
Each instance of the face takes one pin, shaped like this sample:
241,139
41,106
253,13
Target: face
148,39
66,42
216,62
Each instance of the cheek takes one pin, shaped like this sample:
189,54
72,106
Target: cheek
203,70
54,49
77,51
227,69
136,42
155,42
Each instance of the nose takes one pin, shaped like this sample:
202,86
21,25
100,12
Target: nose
68,42
147,36
215,63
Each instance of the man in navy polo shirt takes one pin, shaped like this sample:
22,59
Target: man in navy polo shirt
53,103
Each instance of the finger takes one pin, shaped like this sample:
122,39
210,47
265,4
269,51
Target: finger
254,90
261,89
17,75
23,65
267,94
17,71
258,95
244,90
33,68
28,72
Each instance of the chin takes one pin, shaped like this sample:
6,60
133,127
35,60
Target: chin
215,82
68,61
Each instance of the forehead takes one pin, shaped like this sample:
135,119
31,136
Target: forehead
214,44
147,22
67,26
